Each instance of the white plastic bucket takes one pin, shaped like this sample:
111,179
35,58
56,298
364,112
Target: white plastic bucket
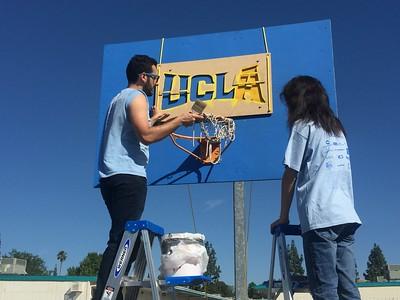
183,254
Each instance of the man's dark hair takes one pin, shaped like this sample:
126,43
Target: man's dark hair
307,100
137,65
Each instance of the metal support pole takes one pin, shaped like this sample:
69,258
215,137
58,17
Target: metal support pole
240,242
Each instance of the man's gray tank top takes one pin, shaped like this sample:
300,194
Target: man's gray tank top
121,151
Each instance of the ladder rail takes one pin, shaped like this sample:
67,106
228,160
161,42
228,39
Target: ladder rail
279,241
120,264
138,271
272,267
147,241
284,264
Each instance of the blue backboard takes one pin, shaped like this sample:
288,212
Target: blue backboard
257,152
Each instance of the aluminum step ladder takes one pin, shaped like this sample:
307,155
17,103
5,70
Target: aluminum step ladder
288,286
145,232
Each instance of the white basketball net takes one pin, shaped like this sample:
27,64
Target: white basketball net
218,128
214,130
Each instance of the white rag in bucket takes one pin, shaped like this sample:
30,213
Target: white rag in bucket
183,254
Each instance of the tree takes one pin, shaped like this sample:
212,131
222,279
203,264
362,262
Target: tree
357,274
376,265
52,272
61,256
295,261
35,265
219,287
213,271
252,291
73,271
89,266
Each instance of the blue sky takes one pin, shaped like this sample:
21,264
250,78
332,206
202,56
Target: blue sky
50,77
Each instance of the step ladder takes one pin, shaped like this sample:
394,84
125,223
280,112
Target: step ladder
288,286
143,232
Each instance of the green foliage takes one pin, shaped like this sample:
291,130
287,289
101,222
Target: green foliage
213,269
376,265
219,287
295,261
73,271
54,272
89,266
252,292
357,274
35,265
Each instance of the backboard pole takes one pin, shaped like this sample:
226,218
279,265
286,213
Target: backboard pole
240,242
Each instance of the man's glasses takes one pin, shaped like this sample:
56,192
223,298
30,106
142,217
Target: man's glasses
152,75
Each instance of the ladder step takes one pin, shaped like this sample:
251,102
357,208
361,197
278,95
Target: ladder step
133,282
186,280
287,229
134,226
169,281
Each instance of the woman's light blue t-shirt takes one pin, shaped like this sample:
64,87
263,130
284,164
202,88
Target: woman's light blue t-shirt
324,189
121,151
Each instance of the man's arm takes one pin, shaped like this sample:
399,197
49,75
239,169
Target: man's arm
150,134
287,188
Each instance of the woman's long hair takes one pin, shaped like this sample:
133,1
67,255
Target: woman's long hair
307,100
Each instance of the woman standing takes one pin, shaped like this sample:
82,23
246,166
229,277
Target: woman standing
317,166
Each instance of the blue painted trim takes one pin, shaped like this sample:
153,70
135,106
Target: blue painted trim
358,284
187,280
134,226
378,284
10,277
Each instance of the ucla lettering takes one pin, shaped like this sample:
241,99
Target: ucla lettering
198,90
172,97
221,93
202,87
232,86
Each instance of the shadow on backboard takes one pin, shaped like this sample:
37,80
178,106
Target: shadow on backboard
189,166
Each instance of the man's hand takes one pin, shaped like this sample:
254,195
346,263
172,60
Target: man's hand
189,118
138,112
157,116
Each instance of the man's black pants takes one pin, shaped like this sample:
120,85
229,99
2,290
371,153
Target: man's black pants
125,197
